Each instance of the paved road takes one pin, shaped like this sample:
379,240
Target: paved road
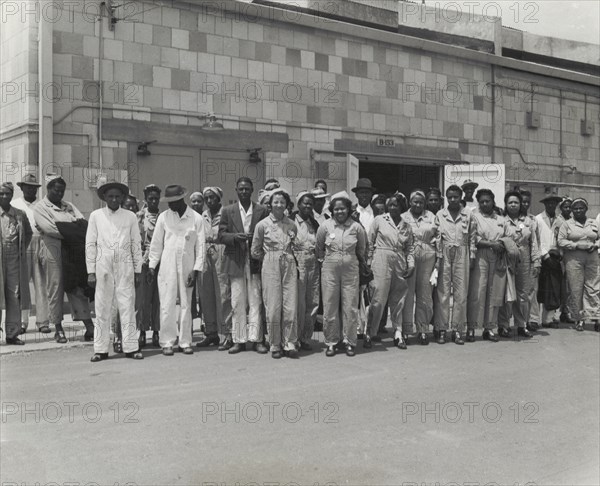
507,413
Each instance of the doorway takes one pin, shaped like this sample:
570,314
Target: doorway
391,177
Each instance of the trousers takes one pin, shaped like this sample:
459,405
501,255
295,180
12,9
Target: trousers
584,282
215,294
246,301
36,264
483,279
308,294
453,279
418,306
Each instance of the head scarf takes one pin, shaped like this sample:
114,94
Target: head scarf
417,193
8,185
581,200
565,200
301,194
214,189
196,193
262,194
272,185
376,197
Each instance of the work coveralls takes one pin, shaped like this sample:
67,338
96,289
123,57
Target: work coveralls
113,253
36,261
308,278
179,245
455,243
337,247
149,299
565,294
484,279
418,305
391,253
547,242
272,244
581,266
215,289
366,218
523,232
46,215
15,235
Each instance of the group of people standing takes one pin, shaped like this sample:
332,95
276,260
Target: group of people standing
259,273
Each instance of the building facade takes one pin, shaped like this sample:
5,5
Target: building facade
331,90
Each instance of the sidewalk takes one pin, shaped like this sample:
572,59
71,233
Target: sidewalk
36,341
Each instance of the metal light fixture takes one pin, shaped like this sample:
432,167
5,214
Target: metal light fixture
212,124
254,156
143,148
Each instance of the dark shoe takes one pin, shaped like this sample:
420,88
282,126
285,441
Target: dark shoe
489,335
533,326
23,330
226,345
237,348
59,337
99,357
88,336
367,344
260,348
330,351
155,339
142,339
14,341
405,338
207,341
423,339
457,338
276,354
578,326
304,346
350,350
400,343
504,332
340,346
292,353
522,331
45,329
564,317
376,339
135,355
117,345
441,337
187,350
470,335
168,351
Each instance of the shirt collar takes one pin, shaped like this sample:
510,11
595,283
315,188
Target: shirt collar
242,210
446,214
368,209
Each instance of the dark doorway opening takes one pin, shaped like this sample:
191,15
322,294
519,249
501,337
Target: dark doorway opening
389,178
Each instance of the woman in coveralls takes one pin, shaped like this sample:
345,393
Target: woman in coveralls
579,240
418,306
391,253
341,246
272,243
522,230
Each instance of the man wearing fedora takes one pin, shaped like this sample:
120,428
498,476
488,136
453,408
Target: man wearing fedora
15,235
364,191
114,264
550,259
468,188
236,229
179,245
36,255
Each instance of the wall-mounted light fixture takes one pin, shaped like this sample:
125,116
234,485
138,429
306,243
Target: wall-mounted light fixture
212,124
143,148
254,156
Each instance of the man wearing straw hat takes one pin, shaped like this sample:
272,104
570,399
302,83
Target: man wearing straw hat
114,264
37,255
179,245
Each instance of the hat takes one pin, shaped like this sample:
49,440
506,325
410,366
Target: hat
319,193
272,185
112,185
551,196
173,192
301,194
469,183
7,185
342,195
363,184
214,189
29,180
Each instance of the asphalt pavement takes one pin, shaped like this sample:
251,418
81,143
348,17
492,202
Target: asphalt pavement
515,412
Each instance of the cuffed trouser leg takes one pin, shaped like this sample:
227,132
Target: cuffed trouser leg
418,305
246,294
349,298
331,278
11,272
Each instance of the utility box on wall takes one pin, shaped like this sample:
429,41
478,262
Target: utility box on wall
587,127
532,119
